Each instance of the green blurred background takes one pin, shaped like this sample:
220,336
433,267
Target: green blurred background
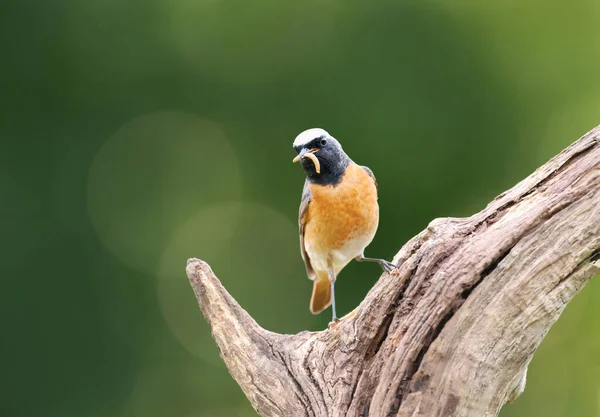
136,134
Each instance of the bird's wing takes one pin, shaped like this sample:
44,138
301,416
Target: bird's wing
306,197
368,170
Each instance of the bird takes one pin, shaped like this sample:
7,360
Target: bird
338,216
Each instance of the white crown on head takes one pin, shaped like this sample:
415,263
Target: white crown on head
309,135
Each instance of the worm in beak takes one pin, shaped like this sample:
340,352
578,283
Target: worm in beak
310,155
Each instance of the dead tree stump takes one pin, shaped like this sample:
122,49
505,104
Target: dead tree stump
451,332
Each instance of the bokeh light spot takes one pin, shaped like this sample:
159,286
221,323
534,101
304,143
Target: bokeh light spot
151,176
205,235
259,263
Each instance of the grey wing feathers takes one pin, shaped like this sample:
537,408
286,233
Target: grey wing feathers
306,197
370,173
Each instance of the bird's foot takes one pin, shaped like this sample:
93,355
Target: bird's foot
387,266
334,322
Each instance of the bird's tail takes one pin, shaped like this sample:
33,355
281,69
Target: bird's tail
321,295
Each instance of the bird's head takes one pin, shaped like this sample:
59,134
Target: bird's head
321,156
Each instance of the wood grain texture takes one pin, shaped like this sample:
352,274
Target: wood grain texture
452,331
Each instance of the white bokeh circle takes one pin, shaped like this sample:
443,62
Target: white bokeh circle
258,262
153,174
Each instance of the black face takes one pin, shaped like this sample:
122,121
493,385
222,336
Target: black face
332,158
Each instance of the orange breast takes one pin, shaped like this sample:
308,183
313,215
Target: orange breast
340,214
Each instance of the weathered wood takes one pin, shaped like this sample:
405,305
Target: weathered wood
452,331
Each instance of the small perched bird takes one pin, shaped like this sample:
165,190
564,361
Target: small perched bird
339,213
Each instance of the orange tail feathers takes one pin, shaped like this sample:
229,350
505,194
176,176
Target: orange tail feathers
321,295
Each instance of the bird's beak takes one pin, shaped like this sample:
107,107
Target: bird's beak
310,154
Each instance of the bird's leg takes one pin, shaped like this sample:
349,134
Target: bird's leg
334,319
385,265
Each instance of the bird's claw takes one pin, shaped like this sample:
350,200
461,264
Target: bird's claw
387,266
333,323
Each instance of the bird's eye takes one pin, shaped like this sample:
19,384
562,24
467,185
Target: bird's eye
323,142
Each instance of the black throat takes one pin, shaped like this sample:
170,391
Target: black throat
332,170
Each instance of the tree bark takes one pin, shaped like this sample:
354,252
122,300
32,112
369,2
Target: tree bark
452,330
